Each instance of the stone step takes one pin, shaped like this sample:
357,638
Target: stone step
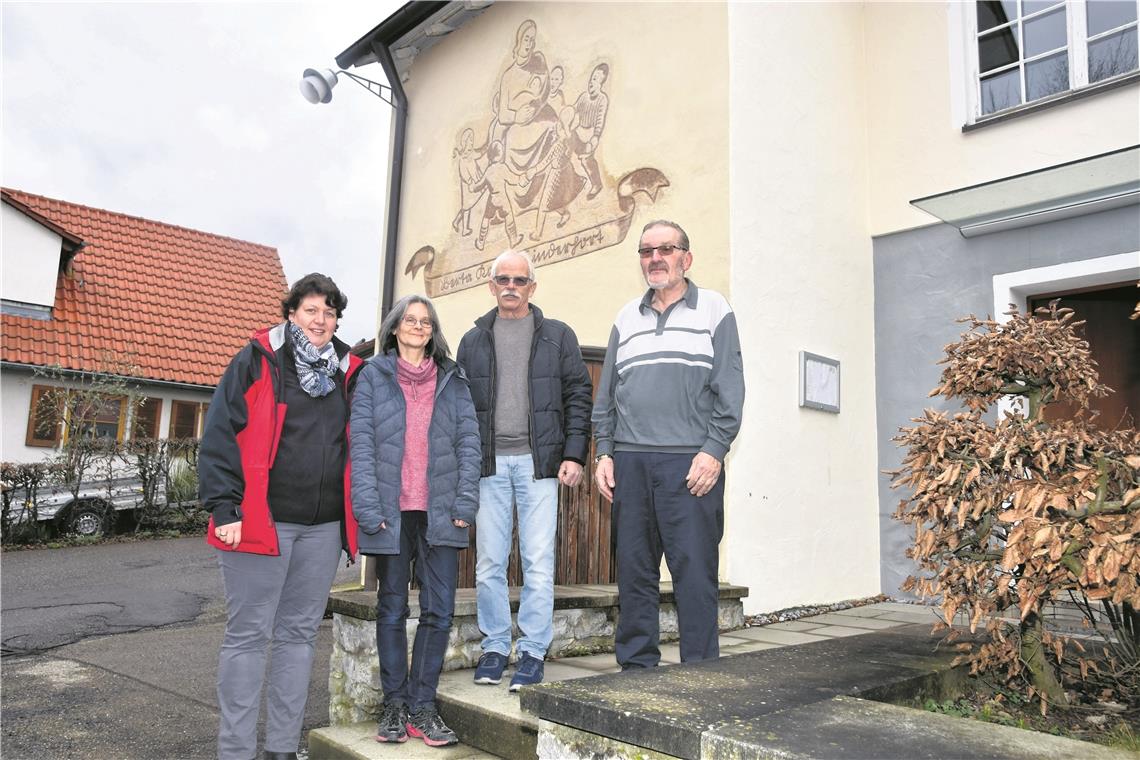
355,742
487,718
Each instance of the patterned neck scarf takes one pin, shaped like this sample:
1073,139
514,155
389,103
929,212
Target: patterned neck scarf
316,368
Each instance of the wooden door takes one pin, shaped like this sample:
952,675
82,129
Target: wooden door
1114,341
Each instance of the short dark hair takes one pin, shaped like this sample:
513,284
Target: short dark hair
604,68
667,223
436,347
312,285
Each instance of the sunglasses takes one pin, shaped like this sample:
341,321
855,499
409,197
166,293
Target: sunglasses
503,280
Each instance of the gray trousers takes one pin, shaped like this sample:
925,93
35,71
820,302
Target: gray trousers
272,603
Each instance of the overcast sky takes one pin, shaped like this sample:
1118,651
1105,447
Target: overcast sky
189,113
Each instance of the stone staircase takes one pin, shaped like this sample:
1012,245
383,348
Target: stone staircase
817,687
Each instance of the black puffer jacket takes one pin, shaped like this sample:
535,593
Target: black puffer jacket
560,392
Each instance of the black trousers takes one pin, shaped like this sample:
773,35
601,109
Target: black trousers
656,514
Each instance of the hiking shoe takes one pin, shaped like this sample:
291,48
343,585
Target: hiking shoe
392,720
426,724
490,668
527,671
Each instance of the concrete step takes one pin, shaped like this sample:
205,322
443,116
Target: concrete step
356,742
488,719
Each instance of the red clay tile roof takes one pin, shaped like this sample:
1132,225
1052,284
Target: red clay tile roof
177,303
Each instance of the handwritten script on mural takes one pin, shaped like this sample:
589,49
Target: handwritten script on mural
535,180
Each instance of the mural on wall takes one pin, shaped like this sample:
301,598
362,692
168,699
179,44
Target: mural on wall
528,175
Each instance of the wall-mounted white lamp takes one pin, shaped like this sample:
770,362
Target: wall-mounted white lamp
317,85
819,382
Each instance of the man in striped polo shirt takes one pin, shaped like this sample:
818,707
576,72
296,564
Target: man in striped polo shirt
668,407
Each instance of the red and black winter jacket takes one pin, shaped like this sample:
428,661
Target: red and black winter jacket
240,440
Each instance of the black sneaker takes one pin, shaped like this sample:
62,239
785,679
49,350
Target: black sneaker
391,727
490,668
426,724
528,671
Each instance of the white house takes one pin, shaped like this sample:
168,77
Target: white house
810,150
86,290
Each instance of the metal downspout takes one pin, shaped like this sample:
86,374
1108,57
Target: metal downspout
395,176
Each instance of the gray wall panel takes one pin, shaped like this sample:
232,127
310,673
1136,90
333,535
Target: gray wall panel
924,280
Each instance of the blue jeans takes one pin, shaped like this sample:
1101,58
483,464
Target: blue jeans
437,571
513,485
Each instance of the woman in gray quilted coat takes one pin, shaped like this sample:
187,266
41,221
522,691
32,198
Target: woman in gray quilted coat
415,451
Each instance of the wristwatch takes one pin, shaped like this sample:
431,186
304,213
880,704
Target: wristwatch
600,457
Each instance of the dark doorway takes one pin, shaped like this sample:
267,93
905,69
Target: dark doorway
1114,341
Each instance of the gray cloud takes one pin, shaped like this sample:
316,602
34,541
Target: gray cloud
190,114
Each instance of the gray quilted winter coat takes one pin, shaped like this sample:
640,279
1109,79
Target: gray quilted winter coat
376,441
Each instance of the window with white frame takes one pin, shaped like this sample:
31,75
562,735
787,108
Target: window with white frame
1027,50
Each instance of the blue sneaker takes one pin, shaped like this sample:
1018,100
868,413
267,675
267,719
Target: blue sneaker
490,668
527,671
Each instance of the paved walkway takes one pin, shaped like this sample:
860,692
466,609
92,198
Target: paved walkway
458,685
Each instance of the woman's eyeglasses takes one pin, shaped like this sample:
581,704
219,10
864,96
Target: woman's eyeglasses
411,322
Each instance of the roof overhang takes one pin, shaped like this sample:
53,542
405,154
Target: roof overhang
412,29
1085,186
72,243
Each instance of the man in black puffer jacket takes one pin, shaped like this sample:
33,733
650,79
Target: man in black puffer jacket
532,397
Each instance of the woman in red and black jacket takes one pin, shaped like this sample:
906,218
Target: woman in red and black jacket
273,472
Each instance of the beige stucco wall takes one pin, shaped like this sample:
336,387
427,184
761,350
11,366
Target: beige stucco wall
668,110
803,523
916,146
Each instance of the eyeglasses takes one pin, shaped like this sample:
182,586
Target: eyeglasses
503,280
411,322
664,250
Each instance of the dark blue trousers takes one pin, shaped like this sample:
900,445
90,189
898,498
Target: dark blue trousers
655,514
437,572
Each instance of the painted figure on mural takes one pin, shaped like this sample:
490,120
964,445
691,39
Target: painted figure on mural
523,121
500,209
590,111
556,98
469,173
528,163
562,182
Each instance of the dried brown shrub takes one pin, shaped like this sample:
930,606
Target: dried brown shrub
1026,512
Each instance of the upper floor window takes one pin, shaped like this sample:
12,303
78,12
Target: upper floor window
1026,50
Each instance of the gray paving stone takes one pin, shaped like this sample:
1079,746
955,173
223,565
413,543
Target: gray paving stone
928,617
749,646
776,636
869,610
793,625
837,618
599,663
559,670
840,630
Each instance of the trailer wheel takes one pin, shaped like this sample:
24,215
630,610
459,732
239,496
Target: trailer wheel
89,518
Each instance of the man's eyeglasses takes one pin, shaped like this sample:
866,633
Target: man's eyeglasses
411,322
664,250
503,280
